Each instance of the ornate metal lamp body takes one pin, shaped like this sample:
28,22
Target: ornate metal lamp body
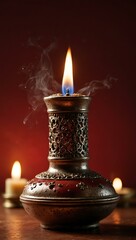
69,195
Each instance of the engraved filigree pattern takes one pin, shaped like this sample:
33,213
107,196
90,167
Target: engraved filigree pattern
68,135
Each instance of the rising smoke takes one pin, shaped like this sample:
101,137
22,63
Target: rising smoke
91,88
41,82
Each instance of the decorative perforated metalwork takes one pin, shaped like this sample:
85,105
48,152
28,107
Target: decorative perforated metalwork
68,135
47,175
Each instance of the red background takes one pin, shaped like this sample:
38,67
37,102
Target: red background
103,41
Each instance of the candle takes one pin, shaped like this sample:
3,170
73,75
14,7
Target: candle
14,186
125,193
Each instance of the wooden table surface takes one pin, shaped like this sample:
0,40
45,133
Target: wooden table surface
16,224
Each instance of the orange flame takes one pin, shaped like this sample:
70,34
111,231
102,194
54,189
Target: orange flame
67,81
16,170
117,184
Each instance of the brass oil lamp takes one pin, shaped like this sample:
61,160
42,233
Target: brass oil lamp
68,195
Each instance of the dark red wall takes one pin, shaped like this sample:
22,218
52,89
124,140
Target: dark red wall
103,41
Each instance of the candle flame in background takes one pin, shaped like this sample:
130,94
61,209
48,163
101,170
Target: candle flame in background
67,81
16,170
117,184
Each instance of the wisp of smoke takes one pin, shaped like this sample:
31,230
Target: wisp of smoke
41,82
91,87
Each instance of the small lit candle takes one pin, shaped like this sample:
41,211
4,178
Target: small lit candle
15,185
125,193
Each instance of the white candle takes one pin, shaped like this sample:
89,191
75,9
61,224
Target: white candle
15,185
126,194
117,184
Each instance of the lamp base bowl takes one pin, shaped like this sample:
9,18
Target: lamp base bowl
75,201
69,215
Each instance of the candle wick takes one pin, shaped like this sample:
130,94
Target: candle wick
67,92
